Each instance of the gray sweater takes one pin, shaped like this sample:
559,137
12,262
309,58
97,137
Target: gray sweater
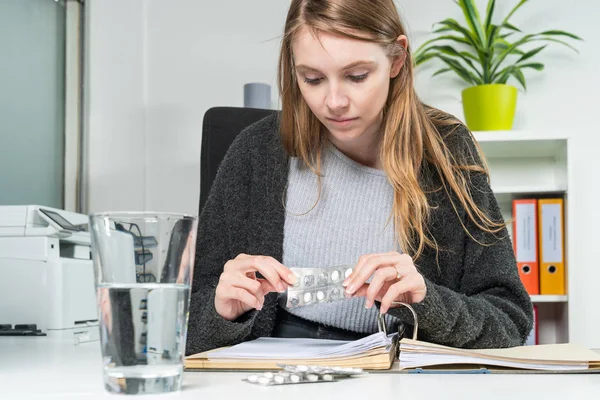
474,299
351,218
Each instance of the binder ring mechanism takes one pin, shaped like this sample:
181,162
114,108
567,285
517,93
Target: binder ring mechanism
381,319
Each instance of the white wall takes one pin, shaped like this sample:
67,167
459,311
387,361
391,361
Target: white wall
200,55
115,103
156,66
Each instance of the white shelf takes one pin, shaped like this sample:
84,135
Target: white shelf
505,194
526,163
525,189
519,136
529,144
549,298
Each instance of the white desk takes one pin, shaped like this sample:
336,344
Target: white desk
39,368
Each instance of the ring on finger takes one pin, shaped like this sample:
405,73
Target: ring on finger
398,274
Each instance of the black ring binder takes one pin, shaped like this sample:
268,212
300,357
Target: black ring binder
381,320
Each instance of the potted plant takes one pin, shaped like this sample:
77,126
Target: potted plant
482,55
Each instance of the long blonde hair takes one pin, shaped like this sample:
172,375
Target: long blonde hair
410,129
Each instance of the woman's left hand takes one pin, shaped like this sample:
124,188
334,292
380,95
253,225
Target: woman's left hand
395,278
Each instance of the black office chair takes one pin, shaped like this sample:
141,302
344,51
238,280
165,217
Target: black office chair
220,127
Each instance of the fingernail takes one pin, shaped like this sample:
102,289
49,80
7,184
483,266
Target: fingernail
259,307
350,289
292,278
368,304
281,287
345,283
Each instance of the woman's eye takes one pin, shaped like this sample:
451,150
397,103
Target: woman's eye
357,78
312,81
353,78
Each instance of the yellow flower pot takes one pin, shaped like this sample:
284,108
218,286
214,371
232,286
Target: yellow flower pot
490,107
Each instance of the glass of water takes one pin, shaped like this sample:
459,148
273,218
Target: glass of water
143,265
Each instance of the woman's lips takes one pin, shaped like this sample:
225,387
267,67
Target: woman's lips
341,121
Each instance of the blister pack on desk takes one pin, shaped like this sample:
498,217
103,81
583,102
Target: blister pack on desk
287,378
293,374
317,285
318,369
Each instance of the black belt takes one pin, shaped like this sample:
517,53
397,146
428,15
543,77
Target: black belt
289,325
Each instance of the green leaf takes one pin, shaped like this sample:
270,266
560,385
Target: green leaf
507,52
514,10
517,73
507,72
418,54
547,39
473,20
536,66
451,51
471,40
441,30
502,44
561,33
441,71
489,13
510,26
531,53
457,27
460,70
502,76
422,57
506,35
468,36
469,55
457,39
491,35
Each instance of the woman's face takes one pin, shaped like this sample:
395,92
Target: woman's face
345,83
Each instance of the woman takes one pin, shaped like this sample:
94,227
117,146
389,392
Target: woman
354,170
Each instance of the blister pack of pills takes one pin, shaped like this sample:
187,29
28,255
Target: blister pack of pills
317,285
287,378
293,374
318,369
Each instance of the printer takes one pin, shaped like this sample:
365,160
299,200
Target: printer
47,272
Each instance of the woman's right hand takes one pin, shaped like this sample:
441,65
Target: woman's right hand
239,290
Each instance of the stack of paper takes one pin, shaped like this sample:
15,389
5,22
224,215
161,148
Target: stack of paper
372,352
556,357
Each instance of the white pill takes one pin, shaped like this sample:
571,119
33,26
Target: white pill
322,279
312,377
302,368
297,283
348,272
294,301
307,297
327,377
294,378
334,294
268,375
320,295
279,379
263,380
252,378
335,276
